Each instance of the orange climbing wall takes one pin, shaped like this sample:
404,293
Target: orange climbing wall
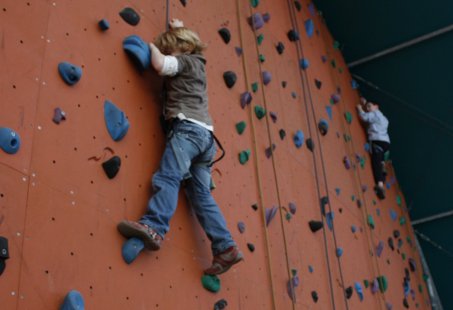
59,210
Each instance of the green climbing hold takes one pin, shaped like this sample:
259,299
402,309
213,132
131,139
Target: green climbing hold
298,5
366,283
260,39
282,134
260,112
244,156
398,200
425,277
348,117
346,138
240,127
294,272
331,101
403,256
370,221
336,45
254,3
383,283
352,197
362,162
402,220
255,87
211,283
288,216
261,58
374,202
333,63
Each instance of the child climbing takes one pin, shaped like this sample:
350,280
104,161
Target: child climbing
189,152
379,139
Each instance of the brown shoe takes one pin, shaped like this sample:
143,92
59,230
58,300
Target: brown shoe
130,229
223,261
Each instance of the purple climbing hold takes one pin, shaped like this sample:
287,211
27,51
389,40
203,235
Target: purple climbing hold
238,50
324,58
270,213
311,9
256,21
347,162
268,151
364,188
58,116
379,248
246,98
267,77
266,17
241,227
374,286
291,285
335,98
292,208
273,116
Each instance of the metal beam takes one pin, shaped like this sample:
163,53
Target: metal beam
432,218
401,46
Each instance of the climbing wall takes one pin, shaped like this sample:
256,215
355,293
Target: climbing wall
59,210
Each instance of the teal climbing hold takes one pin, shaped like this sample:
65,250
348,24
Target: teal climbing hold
383,283
336,45
348,117
398,200
240,127
261,58
370,221
260,39
260,112
211,283
254,3
402,220
244,156
255,87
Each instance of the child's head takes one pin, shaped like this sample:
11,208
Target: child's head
371,106
179,40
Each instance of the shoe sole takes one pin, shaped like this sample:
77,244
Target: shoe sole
130,231
238,259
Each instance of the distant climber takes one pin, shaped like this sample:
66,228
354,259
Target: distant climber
189,152
377,125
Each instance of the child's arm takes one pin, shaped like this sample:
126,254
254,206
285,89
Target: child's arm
157,59
368,117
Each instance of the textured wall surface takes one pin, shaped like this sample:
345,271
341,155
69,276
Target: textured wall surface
59,210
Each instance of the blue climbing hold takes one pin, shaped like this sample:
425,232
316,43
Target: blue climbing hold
323,127
138,50
116,121
310,268
298,138
303,63
9,140
379,248
73,301
267,77
70,73
329,219
131,248
337,191
329,111
256,21
270,213
393,215
309,27
339,252
354,84
353,228
311,9
104,25
359,290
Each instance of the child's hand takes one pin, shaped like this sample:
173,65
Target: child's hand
176,23
363,101
360,108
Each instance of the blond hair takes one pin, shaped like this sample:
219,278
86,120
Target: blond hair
179,39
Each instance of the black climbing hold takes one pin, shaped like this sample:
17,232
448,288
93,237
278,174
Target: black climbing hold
280,48
318,84
251,247
255,207
104,25
298,5
284,83
58,116
282,134
315,225
412,264
396,234
130,16
273,116
348,292
9,140
314,295
112,166
405,303
323,127
72,301
4,253
310,144
138,51
183,2
70,73
220,305
268,151
293,35
359,203
115,120
391,244
225,34
230,78
256,21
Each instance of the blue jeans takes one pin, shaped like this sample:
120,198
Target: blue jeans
189,150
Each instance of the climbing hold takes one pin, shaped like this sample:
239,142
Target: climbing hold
256,21
396,234
266,17
370,221
251,247
333,63
241,227
288,216
323,202
379,248
267,77
270,213
240,127
367,147
292,208
348,117
280,48
298,5
412,264
323,127
230,78
293,35
374,286
9,140
211,282
390,243
405,303
339,252
261,58
354,84
103,24
260,112
353,228
246,98
336,45
4,253
220,304
310,268
225,34
282,134
183,2
273,116
259,39
309,27
402,220
366,283
73,301
292,284
238,50
268,151
130,16
298,138
294,95
255,207
398,200
352,197
348,292
244,156
383,283
304,63
284,83
318,84
329,111
315,225
255,87
70,73
323,58
254,3
347,162
400,243
112,166
393,214
364,188
138,51
314,295
58,115
358,289
329,219
310,144
116,121
131,249
335,98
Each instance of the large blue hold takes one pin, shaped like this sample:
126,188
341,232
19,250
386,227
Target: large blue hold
9,140
303,63
73,301
116,121
298,138
309,27
70,73
131,248
138,50
359,290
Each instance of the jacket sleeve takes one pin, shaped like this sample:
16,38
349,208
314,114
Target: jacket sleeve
369,117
